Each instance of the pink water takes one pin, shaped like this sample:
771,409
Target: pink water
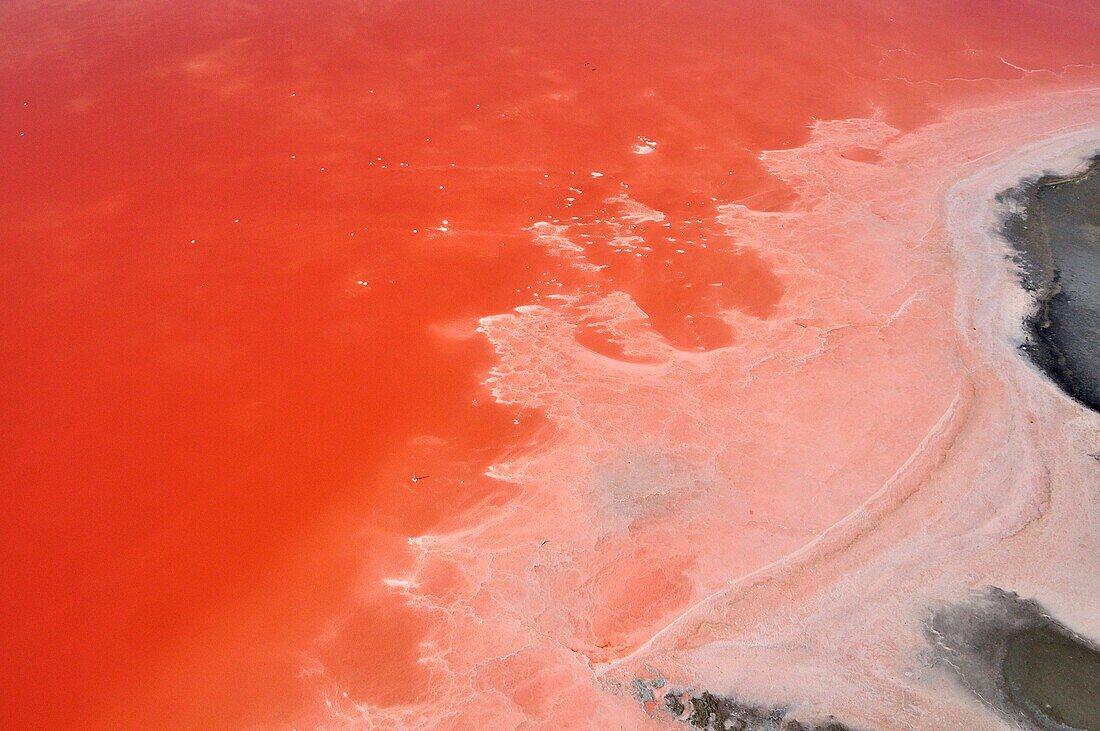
262,265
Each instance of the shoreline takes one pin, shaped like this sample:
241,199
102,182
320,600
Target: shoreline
990,305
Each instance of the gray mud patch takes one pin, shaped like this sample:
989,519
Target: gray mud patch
705,710
1015,658
1054,227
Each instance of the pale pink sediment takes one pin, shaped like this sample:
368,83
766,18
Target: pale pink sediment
776,519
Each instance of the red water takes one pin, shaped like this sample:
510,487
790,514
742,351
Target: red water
244,252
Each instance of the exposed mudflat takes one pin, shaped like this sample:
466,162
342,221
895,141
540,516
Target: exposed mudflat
1056,229
1012,655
